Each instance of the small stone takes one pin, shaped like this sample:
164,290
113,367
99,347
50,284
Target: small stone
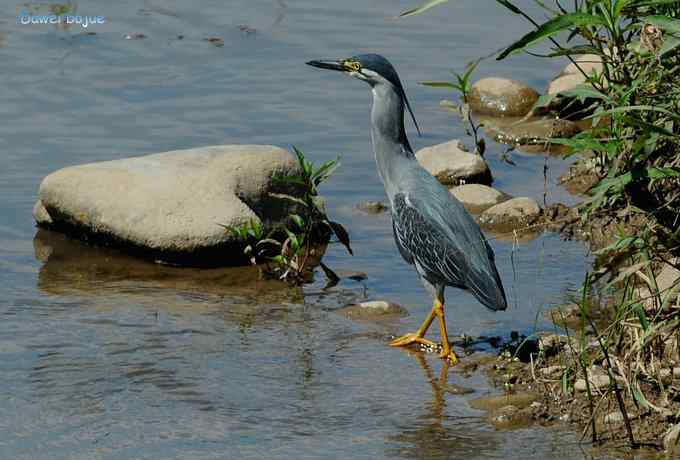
666,376
246,29
372,207
373,310
613,418
217,41
667,278
597,382
516,207
135,36
551,344
501,97
671,440
571,76
511,214
552,371
588,63
565,83
452,166
477,197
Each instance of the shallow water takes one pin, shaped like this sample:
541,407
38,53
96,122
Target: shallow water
102,355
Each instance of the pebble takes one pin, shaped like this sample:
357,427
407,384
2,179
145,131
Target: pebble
373,310
597,382
671,440
552,370
613,418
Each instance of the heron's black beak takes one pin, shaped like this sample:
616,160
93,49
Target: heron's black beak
330,65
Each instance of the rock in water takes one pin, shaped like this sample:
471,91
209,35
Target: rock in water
477,198
501,97
453,166
172,205
510,214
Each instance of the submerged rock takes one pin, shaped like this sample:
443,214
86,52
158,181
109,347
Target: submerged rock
372,207
490,403
373,310
477,197
510,417
173,205
501,97
451,165
532,131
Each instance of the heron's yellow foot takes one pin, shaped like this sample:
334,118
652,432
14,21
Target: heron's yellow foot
410,339
450,357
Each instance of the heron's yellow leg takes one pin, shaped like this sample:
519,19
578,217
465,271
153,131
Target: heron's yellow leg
447,352
418,336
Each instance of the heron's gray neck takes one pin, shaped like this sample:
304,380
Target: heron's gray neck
390,145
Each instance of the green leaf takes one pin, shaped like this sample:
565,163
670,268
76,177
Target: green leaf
440,84
333,278
583,92
638,108
577,50
620,5
341,233
661,173
543,101
669,44
510,6
653,3
422,8
642,316
550,28
299,221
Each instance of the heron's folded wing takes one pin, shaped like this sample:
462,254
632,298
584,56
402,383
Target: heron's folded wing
443,238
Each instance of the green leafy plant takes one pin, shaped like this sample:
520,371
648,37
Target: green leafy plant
286,251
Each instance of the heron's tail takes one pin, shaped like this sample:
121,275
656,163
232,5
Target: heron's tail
488,288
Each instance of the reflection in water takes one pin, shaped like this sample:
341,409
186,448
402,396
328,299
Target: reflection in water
433,433
73,268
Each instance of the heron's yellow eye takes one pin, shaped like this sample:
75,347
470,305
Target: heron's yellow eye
352,66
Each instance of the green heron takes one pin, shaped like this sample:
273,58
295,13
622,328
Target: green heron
432,229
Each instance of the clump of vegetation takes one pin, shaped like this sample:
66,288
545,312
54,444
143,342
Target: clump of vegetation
633,146
288,252
463,85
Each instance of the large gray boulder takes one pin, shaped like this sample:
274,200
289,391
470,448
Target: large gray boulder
451,165
171,205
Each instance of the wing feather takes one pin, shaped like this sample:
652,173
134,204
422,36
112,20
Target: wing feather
433,229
